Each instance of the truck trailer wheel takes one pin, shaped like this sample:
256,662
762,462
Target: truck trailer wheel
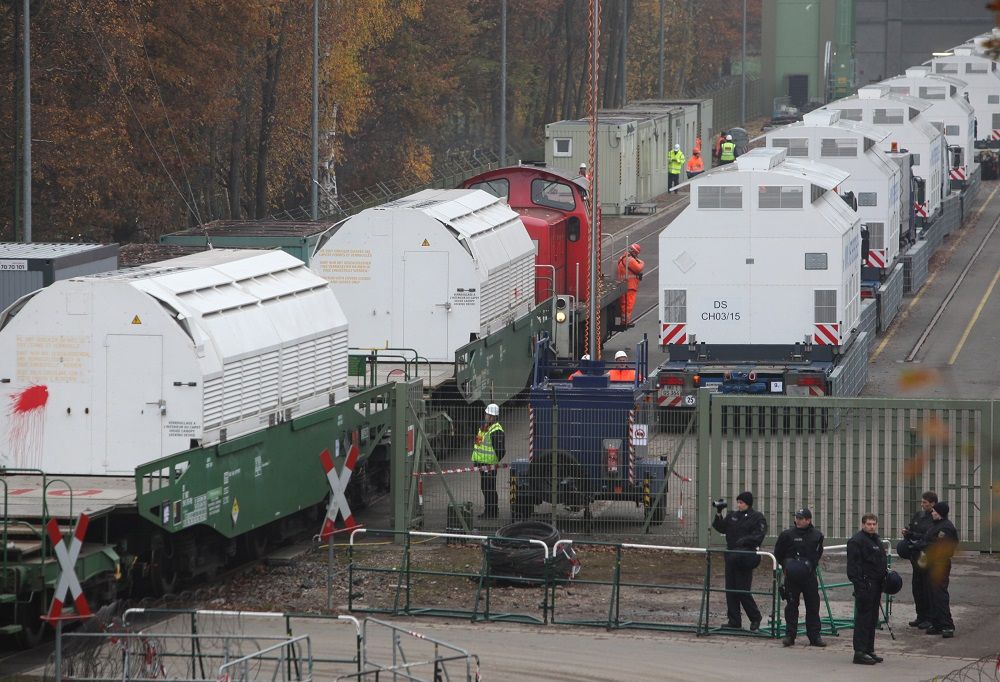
559,473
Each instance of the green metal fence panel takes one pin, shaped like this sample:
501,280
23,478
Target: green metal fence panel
846,457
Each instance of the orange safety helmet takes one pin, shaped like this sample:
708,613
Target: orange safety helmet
635,249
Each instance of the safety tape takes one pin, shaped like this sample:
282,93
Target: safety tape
463,470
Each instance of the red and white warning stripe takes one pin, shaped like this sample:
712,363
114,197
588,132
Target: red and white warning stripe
876,258
920,209
669,400
995,135
817,391
338,487
531,433
67,556
672,333
827,334
461,470
631,446
957,174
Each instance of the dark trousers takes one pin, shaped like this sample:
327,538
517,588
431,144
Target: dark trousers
919,585
488,484
809,591
938,599
866,609
672,180
739,579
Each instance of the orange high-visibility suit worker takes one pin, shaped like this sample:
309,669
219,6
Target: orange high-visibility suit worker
630,270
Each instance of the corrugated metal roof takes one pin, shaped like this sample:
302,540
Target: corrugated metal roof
51,250
258,228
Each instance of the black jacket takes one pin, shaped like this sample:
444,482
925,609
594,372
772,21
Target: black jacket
743,529
939,541
866,560
918,527
804,543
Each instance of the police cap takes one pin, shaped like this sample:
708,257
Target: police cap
904,548
803,513
893,583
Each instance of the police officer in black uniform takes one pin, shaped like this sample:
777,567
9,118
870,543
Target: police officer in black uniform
799,550
867,566
907,549
938,546
745,529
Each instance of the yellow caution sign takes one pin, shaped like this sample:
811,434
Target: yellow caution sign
136,320
236,510
426,243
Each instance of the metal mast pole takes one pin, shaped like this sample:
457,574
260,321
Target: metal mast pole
26,173
663,37
743,70
595,201
314,185
624,56
503,83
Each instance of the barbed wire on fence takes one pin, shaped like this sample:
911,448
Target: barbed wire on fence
985,669
454,166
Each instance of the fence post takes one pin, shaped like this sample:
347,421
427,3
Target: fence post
399,469
704,459
989,490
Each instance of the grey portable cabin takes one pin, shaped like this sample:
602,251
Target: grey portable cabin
25,268
694,119
567,146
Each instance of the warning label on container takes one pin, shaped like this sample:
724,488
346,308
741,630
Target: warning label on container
463,296
182,429
43,359
345,266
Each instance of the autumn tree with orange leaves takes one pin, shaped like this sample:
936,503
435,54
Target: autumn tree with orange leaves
154,115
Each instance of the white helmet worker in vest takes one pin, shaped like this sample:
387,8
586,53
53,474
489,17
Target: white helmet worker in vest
487,452
728,150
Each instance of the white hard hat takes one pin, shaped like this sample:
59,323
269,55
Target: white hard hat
493,409
677,147
585,356
621,354
729,137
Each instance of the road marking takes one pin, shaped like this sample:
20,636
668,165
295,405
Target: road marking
975,318
892,330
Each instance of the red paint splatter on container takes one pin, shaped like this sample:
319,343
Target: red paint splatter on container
26,428
30,398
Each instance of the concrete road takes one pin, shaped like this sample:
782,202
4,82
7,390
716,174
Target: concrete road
959,357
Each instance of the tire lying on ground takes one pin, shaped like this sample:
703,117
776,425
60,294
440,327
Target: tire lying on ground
511,559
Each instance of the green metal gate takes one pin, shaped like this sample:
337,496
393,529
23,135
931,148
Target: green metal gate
844,457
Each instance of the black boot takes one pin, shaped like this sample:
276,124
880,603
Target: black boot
861,658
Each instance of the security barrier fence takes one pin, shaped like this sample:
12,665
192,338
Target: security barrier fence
606,584
645,473
845,457
625,470
236,646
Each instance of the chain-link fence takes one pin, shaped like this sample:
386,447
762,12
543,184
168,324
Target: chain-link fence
615,467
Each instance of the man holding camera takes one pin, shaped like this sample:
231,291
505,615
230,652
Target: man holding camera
866,569
799,550
907,549
744,529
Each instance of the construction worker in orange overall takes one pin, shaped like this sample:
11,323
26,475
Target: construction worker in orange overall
695,165
621,370
630,271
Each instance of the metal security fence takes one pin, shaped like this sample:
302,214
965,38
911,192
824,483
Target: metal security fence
846,457
727,100
626,471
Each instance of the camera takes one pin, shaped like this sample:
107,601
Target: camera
719,504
